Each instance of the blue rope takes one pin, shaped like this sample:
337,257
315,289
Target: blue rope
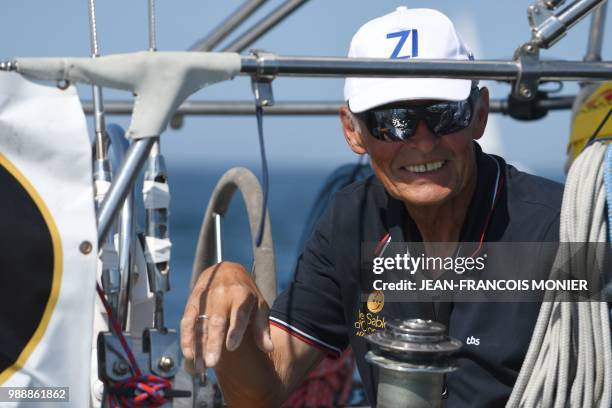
608,185
264,175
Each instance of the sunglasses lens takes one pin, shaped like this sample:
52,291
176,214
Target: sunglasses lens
450,117
393,124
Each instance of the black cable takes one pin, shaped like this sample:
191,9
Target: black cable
601,125
264,174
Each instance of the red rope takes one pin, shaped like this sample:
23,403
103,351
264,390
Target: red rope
149,389
328,385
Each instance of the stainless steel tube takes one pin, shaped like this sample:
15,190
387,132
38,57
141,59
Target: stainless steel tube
263,26
488,69
598,23
574,12
227,27
372,67
218,239
236,108
122,184
205,108
99,123
119,147
575,70
556,26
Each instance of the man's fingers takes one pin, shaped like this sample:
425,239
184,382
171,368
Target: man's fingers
216,327
217,324
201,337
192,308
187,330
239,319
261,328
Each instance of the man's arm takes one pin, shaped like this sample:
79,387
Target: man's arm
250,377
256,364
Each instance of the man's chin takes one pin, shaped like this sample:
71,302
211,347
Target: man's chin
427,197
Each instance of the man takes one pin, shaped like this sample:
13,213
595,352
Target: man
433,184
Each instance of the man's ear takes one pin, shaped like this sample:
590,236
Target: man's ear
482,113
351,129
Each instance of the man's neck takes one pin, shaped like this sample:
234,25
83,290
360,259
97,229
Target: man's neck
443,223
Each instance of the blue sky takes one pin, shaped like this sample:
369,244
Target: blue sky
493,29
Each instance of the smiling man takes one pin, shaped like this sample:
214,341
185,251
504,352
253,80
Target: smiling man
432,183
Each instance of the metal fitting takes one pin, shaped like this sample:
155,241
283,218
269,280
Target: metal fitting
413,356
120,367
8,65
261,83
526,92
85,247
165,363
63,84
551,4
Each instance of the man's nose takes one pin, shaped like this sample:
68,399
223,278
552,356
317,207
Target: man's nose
423,139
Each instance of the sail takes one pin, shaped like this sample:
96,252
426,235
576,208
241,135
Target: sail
48,238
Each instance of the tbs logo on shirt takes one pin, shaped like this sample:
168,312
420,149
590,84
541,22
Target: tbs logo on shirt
472,341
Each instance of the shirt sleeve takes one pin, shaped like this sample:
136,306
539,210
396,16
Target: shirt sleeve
311,306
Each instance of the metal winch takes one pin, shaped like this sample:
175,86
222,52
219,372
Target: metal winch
413,356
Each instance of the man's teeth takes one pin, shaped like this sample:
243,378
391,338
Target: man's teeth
422,168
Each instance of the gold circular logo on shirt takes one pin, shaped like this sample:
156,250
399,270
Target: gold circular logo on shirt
376,301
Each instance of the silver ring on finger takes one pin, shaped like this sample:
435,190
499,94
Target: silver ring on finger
201,326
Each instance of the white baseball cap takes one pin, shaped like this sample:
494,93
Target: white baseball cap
406,34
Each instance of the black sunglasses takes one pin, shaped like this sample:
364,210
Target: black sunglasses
393,124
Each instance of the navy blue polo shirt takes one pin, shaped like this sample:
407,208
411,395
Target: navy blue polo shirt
324,304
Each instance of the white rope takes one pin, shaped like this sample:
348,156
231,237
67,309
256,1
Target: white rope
569,361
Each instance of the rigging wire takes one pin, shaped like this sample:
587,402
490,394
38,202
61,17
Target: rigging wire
152,26
93,29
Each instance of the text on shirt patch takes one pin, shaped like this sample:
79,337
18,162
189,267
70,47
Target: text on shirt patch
370,322
472,341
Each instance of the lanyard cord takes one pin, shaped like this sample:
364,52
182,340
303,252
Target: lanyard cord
499,185
264,174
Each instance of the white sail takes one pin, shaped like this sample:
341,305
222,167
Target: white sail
48,261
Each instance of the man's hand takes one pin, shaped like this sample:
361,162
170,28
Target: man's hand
227,295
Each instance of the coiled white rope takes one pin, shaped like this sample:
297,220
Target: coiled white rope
569,361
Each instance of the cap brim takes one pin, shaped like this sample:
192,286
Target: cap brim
389,90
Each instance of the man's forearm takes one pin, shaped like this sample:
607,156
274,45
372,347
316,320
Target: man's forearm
250,377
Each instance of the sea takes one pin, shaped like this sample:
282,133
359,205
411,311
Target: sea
292,194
